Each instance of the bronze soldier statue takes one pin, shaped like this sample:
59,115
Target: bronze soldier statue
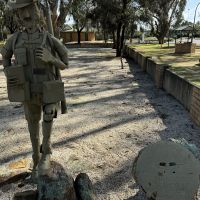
33,77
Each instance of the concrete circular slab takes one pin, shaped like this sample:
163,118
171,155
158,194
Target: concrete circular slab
166,170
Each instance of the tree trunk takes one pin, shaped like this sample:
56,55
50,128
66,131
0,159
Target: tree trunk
105,36
122,38
79,36
119,27
162,32
114,40
160,40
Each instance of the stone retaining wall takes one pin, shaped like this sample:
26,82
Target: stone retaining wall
142,61
151,68
181,89
131,53
156,71
178,87
135,56
195,105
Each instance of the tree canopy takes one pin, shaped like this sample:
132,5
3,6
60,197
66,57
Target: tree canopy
161,15
59,9
113,16
80,10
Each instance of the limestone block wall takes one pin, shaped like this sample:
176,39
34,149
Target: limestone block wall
179,88
151,68
132,53
142,61
139,59
156,71
195,105
160,74
135,56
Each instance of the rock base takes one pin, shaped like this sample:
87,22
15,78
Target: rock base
27,195
57,185
84,188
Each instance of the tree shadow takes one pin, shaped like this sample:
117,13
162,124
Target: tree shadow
64,142
168,109
165,106
174,116
139,196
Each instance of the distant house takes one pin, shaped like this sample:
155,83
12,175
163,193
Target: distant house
69,35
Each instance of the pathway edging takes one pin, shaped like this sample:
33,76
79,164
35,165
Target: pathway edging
184,91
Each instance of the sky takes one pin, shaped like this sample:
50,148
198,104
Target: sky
190,10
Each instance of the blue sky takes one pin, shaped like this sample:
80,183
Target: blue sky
190,9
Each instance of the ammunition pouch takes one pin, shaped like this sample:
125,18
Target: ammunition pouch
53,91
21,56
18,88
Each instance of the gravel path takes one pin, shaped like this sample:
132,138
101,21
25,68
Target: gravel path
112,114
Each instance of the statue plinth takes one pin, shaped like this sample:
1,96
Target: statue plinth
57,184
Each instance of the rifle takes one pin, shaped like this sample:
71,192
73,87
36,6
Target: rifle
58,74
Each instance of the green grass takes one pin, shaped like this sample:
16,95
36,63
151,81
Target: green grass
185,65
2,43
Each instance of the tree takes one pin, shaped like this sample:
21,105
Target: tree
104,15
113,15
11,21
80,11
132,25
2,10
59,10
161,15
7,18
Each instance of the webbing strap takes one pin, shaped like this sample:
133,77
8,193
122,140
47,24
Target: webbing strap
15,40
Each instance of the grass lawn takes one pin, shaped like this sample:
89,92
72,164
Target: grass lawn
185,65
2,43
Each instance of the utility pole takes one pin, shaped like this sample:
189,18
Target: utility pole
194,22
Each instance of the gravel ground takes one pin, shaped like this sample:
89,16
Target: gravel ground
112,114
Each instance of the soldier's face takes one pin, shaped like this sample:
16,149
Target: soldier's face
28,15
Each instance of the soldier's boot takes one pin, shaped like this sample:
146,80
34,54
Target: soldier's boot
44,164
35,141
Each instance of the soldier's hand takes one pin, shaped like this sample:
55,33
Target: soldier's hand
44,55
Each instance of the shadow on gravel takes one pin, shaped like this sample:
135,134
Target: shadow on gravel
99,130
116,180
173,114
169,110
140,195
83,75
8,110
90,59
101,100
7,159
82,136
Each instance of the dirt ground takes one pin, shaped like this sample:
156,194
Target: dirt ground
112,114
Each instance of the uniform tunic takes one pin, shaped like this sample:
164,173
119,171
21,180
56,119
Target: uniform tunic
24,45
